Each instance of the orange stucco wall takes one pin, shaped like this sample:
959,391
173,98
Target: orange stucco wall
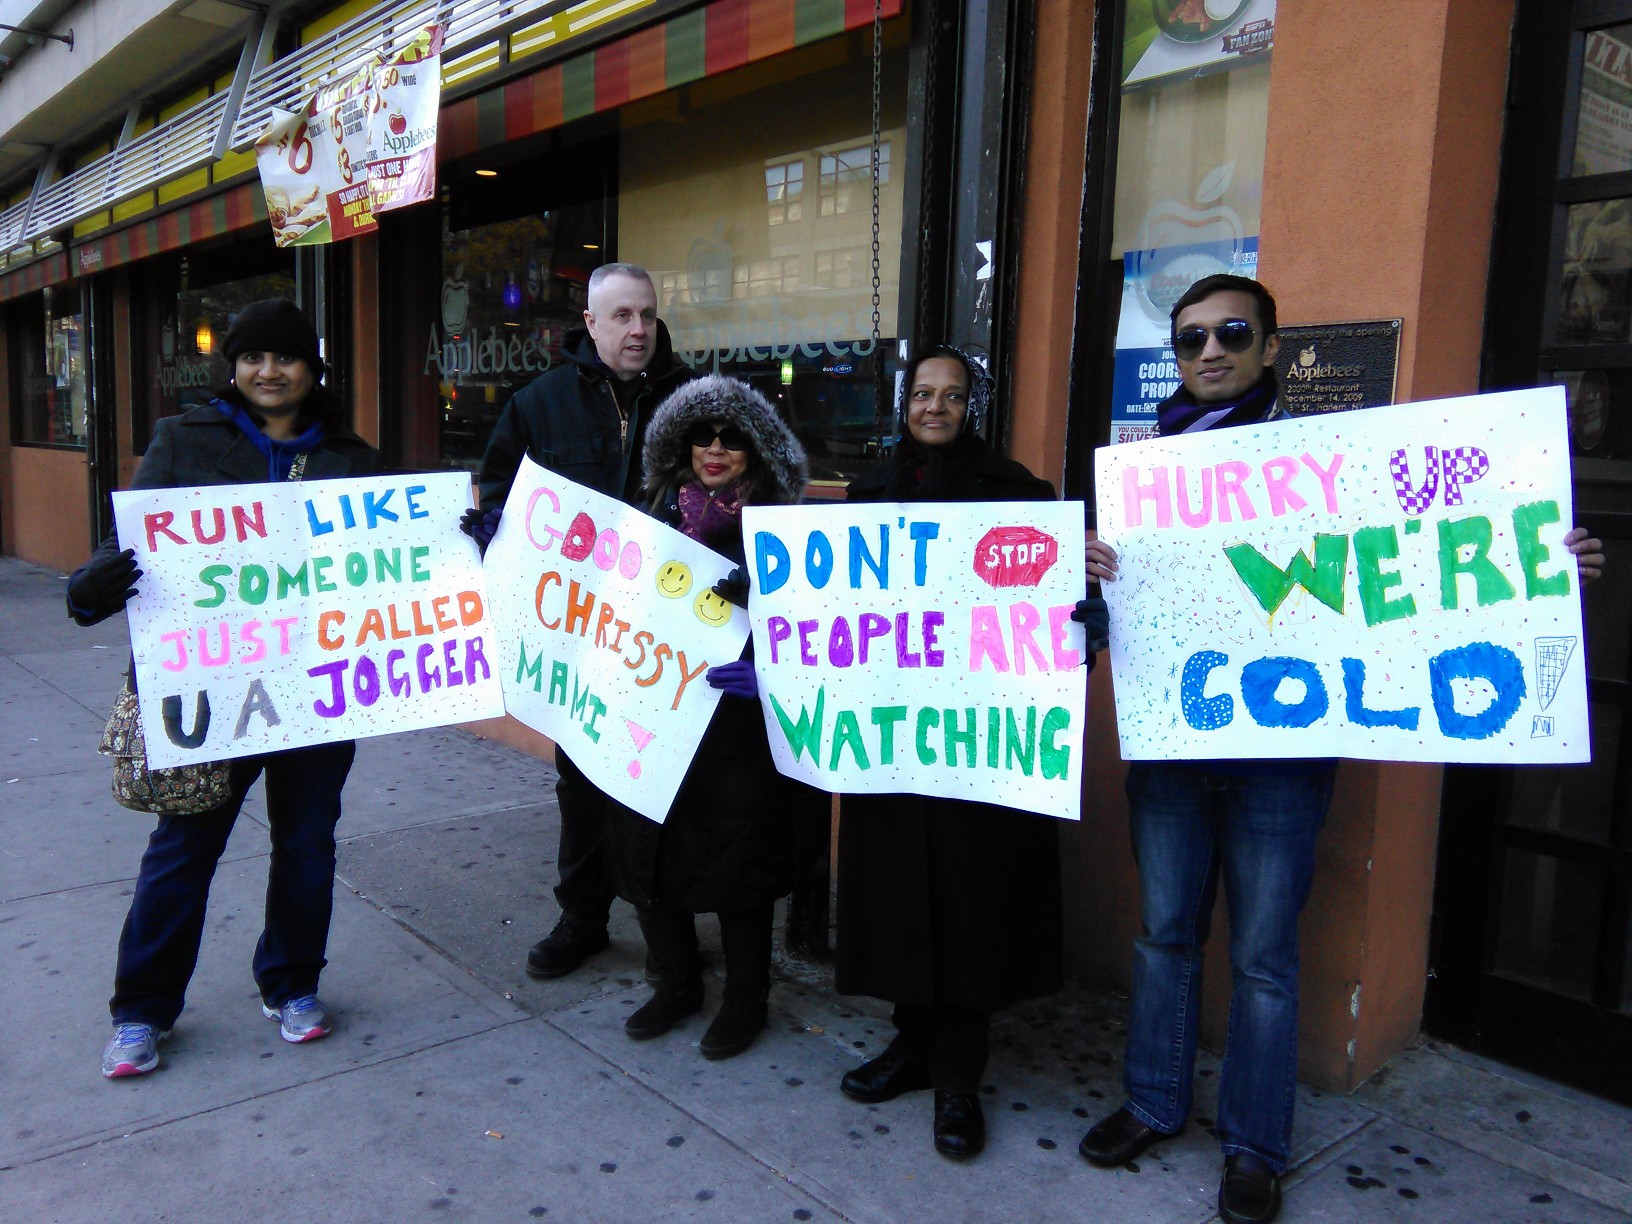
1385,125
47,510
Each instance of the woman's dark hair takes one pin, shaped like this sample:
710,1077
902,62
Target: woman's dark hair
320,407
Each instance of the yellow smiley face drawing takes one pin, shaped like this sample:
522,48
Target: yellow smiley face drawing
711,609
673,579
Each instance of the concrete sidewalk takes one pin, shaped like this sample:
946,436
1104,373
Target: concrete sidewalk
457,1088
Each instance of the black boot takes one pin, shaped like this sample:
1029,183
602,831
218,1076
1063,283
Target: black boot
745,940
671,938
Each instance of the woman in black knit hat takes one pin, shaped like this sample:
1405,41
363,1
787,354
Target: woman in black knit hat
273,420
727,846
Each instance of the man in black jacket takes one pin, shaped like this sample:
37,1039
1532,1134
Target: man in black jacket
586,420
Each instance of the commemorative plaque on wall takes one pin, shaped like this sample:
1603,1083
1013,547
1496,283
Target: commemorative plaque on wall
1332,367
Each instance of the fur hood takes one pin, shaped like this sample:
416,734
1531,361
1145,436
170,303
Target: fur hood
714,397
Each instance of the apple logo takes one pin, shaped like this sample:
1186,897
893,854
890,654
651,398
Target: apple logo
455,302
1307,358
399,125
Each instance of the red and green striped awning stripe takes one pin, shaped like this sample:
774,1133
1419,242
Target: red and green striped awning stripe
51,270
243,206
715,38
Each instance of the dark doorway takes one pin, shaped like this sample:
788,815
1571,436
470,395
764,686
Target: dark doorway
1532,963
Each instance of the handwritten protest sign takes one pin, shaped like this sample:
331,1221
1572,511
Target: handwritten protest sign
925,648
606,622
275,615
1389,584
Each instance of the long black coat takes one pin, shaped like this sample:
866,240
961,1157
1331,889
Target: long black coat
728,841
946,901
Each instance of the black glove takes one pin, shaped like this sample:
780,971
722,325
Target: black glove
733,588
1095,615
106,585
481,527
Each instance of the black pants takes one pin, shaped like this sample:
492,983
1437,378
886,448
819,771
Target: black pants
952,1040
585,890
745,943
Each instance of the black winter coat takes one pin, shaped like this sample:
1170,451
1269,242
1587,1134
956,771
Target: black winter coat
203,447
728,842
568,420
947,901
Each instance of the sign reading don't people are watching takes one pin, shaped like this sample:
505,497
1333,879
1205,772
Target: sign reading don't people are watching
1390,585
924,647
269,616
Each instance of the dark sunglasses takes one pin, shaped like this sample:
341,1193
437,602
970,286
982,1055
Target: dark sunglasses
1234,337
732,438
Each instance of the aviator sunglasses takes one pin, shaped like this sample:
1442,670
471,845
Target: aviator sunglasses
703,434
1234,337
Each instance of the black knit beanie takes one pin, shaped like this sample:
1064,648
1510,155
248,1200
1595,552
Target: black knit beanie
275,325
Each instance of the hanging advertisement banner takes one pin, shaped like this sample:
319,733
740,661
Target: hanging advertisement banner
1389,585
359,146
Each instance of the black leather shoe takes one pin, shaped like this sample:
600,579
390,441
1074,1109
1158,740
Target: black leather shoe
1250,1192
565,948
960,1126
1119,1138
734,1028
885,1078
663,1010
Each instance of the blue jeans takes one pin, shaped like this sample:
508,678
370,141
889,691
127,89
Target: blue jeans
158,948
1259,830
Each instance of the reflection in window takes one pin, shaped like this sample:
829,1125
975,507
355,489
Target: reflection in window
784,191
1595,287
847,176
1603,125
49,371
847,269
764,277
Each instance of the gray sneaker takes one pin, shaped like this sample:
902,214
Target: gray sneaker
132,1050
302,1019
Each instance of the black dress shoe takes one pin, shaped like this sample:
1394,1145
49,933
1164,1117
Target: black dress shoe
565,948
885,1077
960,1126
739,1021
1250,1192
1119,1138
669,1004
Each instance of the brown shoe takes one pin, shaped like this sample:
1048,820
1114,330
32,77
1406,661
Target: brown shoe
1118,1139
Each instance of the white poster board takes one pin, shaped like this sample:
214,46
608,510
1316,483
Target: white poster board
926,648
606,623
1388,584
274,615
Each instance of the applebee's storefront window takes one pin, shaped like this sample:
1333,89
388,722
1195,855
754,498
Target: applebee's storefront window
1189,176
511,288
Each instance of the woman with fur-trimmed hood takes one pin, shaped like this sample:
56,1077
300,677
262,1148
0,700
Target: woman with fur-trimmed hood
714,446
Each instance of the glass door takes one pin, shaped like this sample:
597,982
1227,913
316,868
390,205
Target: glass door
1532,959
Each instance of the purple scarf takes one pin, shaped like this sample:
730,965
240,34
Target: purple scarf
710,518
1180,413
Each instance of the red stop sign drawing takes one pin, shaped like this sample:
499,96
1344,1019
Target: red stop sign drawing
1015,556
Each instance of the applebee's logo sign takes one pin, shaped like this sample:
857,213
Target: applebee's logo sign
1181,242
399,139
456,356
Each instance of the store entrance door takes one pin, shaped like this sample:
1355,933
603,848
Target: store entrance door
1532,944
101,409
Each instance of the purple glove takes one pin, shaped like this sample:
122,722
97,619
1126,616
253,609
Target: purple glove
481,527
734,679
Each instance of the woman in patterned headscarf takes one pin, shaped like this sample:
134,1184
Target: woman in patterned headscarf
950,909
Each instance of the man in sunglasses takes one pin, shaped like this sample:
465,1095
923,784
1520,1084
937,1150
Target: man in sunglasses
586,419
1253,821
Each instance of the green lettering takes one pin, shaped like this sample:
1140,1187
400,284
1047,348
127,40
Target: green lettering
1489,584
1014,747
416,557
927,717
1056,757
953,736
885,718
211,575
296,581
597,707
558,683
1270,584
524,669
320,570
1528,520
1372,547
847,731
388,565
806,734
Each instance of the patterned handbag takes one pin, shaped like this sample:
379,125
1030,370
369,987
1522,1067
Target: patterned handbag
181,790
